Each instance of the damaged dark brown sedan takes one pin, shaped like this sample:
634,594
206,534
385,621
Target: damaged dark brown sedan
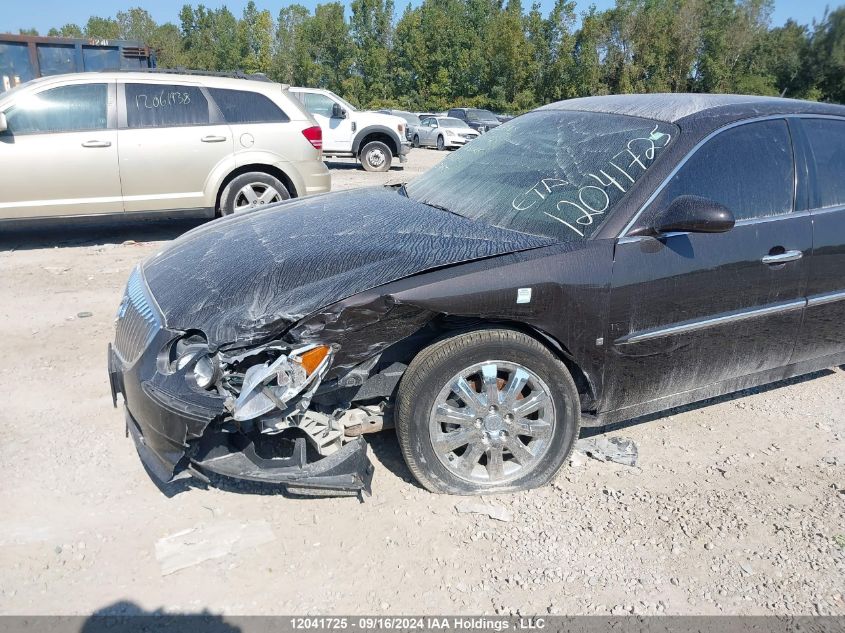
589,262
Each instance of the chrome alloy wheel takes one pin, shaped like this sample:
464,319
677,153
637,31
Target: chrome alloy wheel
492,422
256,194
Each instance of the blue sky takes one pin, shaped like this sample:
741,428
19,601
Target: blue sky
43,14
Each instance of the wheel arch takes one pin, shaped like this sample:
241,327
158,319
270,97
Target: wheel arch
585,384
377,133
254,167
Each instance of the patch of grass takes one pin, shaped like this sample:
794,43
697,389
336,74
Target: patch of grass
839,539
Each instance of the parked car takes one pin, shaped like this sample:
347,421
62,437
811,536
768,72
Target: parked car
591,261
477,119
504,118
412,121
372,137
141,142
443,133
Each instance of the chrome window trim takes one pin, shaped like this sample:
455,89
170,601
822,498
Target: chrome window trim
773,218
700,324
707,138
830,209
748,222
825,298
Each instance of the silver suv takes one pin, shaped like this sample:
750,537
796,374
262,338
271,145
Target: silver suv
138,143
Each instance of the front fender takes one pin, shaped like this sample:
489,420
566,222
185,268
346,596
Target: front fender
569,291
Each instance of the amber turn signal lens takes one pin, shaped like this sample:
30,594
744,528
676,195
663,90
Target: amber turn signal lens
311,359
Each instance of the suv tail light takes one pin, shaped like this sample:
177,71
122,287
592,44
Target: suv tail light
314,135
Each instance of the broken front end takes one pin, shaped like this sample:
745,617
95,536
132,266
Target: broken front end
249,413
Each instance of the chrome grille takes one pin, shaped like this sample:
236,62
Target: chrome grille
137,319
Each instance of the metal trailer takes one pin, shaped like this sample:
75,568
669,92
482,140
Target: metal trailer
25,57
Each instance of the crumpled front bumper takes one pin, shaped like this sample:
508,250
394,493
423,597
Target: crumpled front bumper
176,435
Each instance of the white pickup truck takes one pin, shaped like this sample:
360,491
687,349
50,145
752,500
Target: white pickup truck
372,137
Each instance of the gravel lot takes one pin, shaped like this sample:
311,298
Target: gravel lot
736,507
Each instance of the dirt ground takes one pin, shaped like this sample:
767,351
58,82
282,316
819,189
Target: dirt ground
735,507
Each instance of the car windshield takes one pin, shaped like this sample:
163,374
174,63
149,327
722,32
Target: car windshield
412,119
550,172
481,115
451,123
6,96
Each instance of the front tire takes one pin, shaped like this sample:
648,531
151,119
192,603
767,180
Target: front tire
441,145
416,141
376,156
486,411
251,191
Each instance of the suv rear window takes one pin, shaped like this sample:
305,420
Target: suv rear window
165,105
242,106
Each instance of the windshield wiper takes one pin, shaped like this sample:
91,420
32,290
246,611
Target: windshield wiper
439,208
404,192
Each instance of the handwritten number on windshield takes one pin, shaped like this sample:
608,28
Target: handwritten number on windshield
592,199
537,193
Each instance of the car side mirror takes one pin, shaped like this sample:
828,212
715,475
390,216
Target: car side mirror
338,112
4,125
691,214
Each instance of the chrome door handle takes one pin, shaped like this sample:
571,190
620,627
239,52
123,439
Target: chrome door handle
213,139
96,144
782,258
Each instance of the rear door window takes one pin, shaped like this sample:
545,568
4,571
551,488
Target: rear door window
72,108
827,139
165,105
749,169
242,106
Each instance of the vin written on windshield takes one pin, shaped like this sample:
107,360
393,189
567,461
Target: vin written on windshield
577,208
553,173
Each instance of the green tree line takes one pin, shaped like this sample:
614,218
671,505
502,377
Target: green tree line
498,53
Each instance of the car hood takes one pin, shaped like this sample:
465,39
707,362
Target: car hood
246,277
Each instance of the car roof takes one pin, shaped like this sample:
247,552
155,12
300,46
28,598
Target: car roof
208,80
674,107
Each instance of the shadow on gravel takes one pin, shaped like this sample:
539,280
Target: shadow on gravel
89,232
350,165
385,447
125,615
797,380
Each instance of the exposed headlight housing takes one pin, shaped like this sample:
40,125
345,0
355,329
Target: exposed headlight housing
192,352
206,371
273,384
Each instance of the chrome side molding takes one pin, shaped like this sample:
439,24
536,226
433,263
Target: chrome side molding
700,324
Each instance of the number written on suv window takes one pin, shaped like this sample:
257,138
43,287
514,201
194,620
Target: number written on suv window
160,105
